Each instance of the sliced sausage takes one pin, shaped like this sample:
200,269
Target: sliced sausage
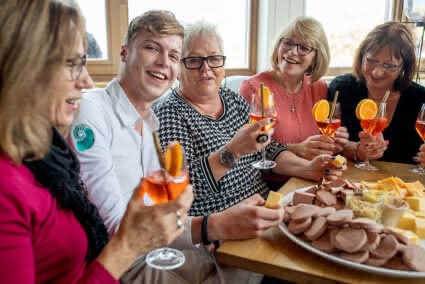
373,240
359,257
402,239
337,183
318,227
303,198
290,209
286,217
303,211
396,263
324,243
350,240
365,223
326,197
298,228
326,211
376,261
312,189
387,248
414,257
340,217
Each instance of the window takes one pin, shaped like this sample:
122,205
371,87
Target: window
234,20
345,24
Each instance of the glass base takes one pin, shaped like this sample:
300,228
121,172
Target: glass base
417,170
165,258
366,166
263,165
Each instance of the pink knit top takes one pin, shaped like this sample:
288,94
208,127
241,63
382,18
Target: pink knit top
291,127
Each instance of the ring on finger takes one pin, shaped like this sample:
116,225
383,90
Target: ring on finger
179,222
262,138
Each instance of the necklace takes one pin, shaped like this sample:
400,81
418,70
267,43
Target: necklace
292,109
295,99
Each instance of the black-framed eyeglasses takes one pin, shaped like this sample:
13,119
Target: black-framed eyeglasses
371,63
302,49
76,65
195,62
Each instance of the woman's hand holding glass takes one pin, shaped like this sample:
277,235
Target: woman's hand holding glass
144,228
245,142
371,147
341,139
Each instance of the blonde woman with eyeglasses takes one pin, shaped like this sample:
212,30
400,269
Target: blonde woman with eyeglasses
384,61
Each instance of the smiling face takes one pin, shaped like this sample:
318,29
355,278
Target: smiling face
291,63
151,64
69,90
376,77
205,81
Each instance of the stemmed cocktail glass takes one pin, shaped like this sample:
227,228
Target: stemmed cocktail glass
374,127
420,129
262,107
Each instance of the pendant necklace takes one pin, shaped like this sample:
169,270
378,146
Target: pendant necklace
295,99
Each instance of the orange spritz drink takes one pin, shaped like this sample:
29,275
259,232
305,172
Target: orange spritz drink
322,115
420,129
160,191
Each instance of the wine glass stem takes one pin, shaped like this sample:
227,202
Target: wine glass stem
263,155
366,161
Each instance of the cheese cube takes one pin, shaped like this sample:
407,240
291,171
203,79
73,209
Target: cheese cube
420,228
407,221
416,203
412,238
339,161
273,200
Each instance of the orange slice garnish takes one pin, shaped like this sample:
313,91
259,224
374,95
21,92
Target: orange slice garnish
367,109
358,108
321,110
267,99
173,158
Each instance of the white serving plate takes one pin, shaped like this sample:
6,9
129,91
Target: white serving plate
363,267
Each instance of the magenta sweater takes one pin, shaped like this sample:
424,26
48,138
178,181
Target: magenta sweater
40,242
291,127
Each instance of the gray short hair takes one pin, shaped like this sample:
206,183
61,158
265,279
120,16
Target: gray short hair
201,29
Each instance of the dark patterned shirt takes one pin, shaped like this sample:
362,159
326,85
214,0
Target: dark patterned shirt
200,136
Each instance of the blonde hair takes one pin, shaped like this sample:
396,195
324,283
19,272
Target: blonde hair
36,37
158,22
311,31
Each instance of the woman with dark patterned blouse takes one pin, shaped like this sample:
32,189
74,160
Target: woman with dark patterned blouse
385,60
212,124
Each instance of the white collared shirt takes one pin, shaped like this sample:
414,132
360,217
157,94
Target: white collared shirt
113,164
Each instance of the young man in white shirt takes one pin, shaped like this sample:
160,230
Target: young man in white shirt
112,137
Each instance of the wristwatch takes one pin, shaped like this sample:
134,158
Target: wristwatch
227,158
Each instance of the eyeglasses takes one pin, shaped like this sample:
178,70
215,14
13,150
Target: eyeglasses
195,62
370,63
76,65
302,49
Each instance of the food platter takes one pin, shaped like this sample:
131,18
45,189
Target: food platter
362,267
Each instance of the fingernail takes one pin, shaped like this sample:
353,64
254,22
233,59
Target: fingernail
332,158
340,168
272,120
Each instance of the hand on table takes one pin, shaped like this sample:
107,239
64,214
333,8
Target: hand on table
421,156
247,219
371,146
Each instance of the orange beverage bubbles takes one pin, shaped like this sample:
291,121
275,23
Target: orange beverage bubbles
374,126
329,128
158,192
253,118
420,128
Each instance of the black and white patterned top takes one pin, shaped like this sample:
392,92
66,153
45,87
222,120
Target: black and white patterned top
200,136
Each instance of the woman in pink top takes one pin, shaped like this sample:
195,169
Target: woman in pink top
49,231
300,58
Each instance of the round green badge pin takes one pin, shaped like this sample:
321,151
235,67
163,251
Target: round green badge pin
83,136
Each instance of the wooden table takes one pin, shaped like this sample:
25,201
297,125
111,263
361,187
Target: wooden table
275,255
